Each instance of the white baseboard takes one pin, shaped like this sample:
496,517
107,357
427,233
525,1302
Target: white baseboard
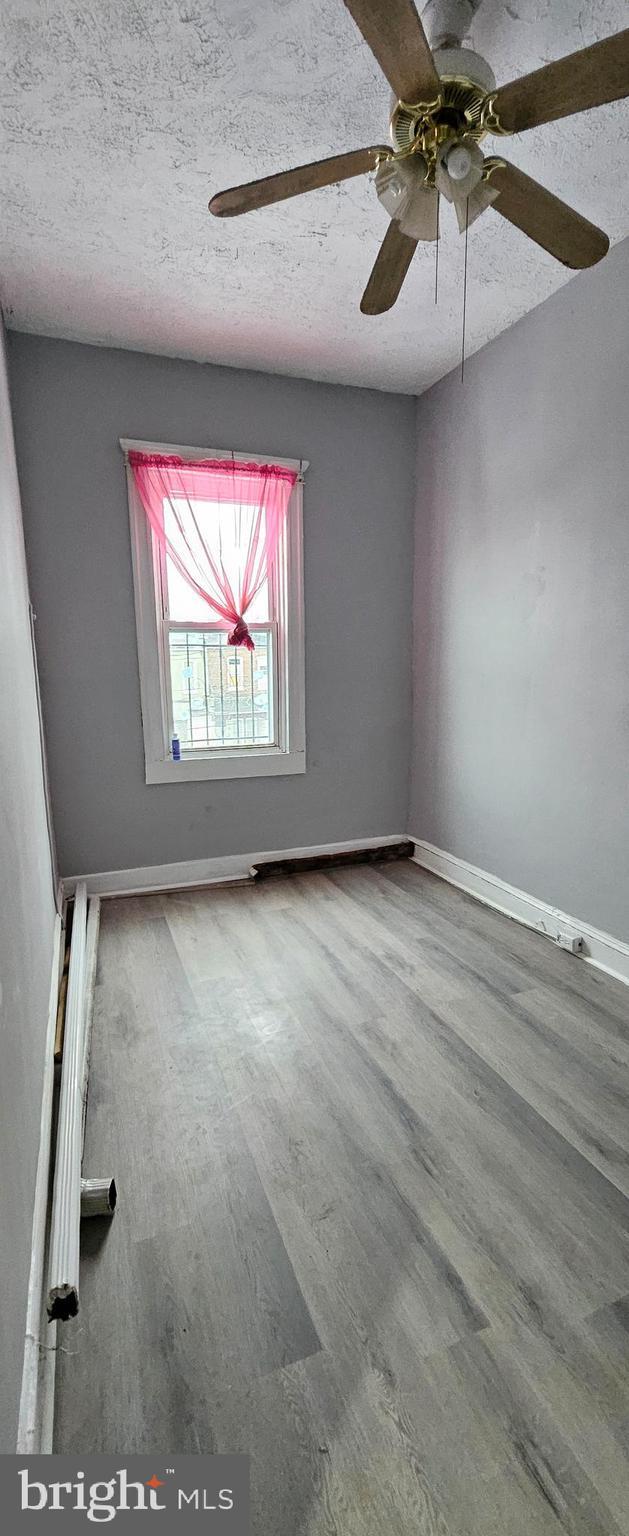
29,1440
600,949
238,866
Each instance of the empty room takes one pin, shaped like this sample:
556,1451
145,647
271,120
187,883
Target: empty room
314,750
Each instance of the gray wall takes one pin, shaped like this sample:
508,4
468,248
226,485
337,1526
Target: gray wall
71,405
26,931
521,655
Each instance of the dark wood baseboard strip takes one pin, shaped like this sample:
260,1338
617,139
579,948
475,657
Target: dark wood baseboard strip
386,852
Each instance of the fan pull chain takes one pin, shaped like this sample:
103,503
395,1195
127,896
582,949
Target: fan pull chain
437,250
467,211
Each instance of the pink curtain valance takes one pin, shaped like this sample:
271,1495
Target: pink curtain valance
225,562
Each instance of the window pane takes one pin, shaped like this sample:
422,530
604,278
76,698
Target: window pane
222,694
225,528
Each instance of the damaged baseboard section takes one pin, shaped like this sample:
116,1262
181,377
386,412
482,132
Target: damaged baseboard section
383,853
233,868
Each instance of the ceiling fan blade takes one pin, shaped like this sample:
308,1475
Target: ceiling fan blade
305,178
585,79
388,272
544,218
397,39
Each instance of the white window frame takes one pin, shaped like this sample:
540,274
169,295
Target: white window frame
288,755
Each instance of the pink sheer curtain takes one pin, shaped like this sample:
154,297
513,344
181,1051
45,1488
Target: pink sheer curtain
226,557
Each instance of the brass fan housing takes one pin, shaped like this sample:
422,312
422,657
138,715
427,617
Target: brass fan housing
459,110
465,84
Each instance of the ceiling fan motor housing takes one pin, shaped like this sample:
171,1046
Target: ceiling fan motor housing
448,22
466,81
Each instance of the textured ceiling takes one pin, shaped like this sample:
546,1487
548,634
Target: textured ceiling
121,117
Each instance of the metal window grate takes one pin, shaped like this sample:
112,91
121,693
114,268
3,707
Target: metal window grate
222,695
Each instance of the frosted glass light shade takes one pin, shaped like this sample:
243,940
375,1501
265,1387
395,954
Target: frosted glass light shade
420,217
402,190
480,198
396,180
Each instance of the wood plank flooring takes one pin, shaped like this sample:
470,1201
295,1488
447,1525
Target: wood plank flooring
371,1143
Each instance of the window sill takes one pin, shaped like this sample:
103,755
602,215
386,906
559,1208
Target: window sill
234,765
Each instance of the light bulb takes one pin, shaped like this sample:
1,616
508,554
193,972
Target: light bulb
459,162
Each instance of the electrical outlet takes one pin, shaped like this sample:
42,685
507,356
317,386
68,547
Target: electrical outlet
572,942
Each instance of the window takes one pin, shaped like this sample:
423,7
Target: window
237,712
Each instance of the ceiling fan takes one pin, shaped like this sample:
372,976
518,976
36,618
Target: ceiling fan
445,104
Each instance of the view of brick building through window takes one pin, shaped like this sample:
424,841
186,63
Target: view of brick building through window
222,695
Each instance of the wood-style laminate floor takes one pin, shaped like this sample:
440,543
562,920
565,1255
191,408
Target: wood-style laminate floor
372,1148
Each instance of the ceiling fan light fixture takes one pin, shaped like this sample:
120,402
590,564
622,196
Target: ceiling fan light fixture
420,219
459,168
469,208
464,63
440,99
403,190
397,181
